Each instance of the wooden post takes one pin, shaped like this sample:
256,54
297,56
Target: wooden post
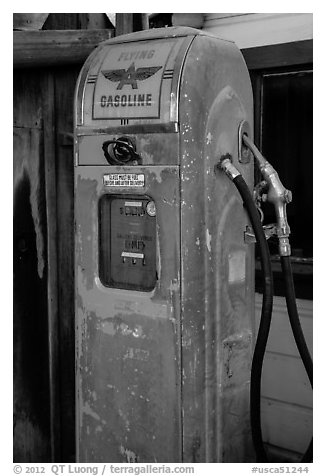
143,21
129,22
123,23
65,79
52,268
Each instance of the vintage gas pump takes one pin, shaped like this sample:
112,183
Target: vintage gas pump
164,275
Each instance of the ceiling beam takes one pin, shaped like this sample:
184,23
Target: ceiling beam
55,47
58,47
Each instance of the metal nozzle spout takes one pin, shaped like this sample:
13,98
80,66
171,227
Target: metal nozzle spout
277,194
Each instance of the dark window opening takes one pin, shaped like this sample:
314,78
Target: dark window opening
285,135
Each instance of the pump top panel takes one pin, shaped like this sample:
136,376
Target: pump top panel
134,79
128,82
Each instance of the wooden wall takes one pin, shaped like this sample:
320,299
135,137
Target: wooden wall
43,265
32,427
44,360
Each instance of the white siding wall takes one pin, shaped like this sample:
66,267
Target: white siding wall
286,393
257,29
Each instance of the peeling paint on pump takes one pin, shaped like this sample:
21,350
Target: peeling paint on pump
163,371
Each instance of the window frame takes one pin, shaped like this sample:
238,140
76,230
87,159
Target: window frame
273,59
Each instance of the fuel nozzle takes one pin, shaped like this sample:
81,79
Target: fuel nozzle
276,194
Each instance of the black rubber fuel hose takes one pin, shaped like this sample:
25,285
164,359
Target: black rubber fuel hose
265,321
297,331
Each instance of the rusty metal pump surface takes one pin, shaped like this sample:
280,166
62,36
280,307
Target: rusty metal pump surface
164,278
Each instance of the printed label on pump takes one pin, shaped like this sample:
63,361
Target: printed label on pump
129,82
124,180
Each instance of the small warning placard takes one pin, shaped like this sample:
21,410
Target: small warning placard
124,180
128,84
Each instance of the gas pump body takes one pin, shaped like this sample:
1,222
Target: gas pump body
164,278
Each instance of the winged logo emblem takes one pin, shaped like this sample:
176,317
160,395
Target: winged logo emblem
130,75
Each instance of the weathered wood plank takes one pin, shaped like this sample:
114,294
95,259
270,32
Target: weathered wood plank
65,80
55,47
129,22
52,278
31,361
43,306
27,108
